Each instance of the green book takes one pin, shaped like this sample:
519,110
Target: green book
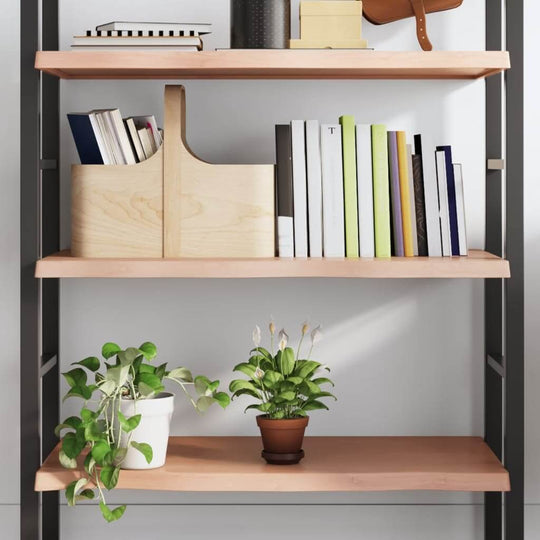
381,190
350,186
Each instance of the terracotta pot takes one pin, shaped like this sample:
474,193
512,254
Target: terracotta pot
282,436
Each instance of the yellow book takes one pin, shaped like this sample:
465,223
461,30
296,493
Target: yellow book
406,211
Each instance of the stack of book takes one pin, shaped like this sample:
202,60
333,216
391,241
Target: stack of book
103,138
143,35
346,190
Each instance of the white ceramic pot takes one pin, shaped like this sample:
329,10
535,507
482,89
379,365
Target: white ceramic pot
153,429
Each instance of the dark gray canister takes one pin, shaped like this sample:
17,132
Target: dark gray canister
260,24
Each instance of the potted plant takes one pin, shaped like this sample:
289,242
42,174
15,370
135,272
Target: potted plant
286,386
125,419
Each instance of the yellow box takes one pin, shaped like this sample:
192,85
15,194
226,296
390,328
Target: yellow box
327,44
331,7
336,27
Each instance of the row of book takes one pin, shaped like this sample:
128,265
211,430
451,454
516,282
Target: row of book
346,190
143,35
102,137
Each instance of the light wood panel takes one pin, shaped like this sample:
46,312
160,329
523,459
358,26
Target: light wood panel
478,264
331,464
272,64
117,210
212,210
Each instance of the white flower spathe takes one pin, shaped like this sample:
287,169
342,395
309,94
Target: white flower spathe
256,336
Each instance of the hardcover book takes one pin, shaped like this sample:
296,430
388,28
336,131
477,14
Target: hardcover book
314,185
395,192
412,202
451,188
418,176
460,205
364,169
284,188
440,157
350,185
299,188
381,197
406,210
85,139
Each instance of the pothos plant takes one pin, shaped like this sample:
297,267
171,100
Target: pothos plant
97,432
285,384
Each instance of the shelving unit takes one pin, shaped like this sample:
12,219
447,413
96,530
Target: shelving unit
493,465
331,464
479,264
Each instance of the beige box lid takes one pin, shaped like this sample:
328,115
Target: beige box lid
330,7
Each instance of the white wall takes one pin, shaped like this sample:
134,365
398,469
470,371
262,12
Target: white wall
9,268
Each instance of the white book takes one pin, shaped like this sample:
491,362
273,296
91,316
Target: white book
122,136
364,167
124,41
332,191
460,206
136,26
79,48
146,142
149,121
299,188
431,196
314,184
110,137
412,199
285,230
105,155
135,139
443,203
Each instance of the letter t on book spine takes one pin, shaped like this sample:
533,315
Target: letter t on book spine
284,188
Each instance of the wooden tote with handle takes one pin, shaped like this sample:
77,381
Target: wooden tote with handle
386,11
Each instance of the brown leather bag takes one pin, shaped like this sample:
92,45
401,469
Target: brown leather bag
385,11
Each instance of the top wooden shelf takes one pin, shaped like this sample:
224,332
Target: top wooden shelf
272,64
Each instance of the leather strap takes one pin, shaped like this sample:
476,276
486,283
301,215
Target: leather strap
421,26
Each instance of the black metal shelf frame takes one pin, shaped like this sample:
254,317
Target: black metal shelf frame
504,325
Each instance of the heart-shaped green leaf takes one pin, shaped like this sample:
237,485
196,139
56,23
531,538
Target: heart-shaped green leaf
149,350
109,350
92,363
109,476
73,490
129,424
112,515
145,449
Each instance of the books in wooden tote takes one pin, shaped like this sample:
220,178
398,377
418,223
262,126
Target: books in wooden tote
332,191
284,189
298,145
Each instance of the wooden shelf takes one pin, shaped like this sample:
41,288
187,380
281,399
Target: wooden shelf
272,64
479,264
331,464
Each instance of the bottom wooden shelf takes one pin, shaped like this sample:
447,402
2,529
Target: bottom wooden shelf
331,464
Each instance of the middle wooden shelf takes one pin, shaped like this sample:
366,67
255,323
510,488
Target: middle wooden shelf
331,464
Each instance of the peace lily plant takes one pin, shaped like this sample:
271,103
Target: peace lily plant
104,433
286,386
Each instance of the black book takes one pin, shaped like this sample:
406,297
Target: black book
284,192
419,197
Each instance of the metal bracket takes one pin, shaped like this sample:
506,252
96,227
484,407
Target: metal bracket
48,361
495,164
48,164
497,364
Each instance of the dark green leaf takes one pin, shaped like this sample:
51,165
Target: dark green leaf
87,415
161,370
100,451
295,380
248,369
92,363
109,476
109,350
72,445
271,378
76,377
322,395
72,422
285,361
151,380
263,352
223,399
248,392
287,396
129,424
144,449
95,431
147,368
263,407
304,368
323,380
66,462
83,392
149,350
112,515
314,405
89,464
240,384
85,494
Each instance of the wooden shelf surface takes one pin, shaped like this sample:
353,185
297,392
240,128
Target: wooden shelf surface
272,64
331,464
479,264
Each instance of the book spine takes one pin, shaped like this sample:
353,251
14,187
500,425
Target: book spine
397,220
314,182
381,198
299,188
350,185
365,191
332,190
406,210
122,137
452,210
440,157
431,198
85,139
419,202
284,189
411,199
460,206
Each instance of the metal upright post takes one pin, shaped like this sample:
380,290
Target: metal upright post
39,237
